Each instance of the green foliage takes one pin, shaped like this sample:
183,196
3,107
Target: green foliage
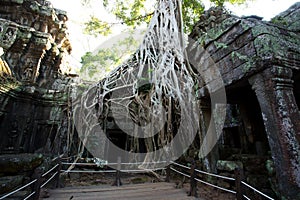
191,11
220,45
134,13
238,55
221,2
96,65
131,13
97,27
279,20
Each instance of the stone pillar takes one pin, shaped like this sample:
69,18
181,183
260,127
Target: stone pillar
274,90
209,161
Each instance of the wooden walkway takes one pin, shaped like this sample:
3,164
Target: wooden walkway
146,191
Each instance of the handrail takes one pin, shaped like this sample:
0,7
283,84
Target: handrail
17,190
83,164
57,158
30,195
218,176
254,189
86,171
138,163
183,166
93,164
180,172
199,180
111,171
50,179
140,170
46,173
215,175
247,198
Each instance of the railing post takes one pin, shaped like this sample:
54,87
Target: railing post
37,174
193,183
58,185
239,177
118,174
168,172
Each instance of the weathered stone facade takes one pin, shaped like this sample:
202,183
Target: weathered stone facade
34,100
35,82
260,66
35,40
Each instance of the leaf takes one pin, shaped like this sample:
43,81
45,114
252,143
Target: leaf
96,65
97,27
134,13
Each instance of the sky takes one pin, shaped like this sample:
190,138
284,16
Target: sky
78,14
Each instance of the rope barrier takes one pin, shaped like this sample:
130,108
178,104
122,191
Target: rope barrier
82,171
199,180
50,179
146,170
58,157
83,164
134,171
247,198
140,163
218,176
156,169
111,171
212,185
28,197
17,190
93,164
180,172
181,165
67,158
141,170
171,168
215,175
45,174
249,186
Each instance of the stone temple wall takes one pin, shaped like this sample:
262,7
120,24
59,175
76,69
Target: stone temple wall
35,88
35,40
259,64
34,91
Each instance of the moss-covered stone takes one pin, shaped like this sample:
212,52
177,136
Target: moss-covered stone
270,167
226,165
18,163
289,18
17,1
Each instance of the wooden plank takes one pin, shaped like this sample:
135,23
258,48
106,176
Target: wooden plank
146,191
